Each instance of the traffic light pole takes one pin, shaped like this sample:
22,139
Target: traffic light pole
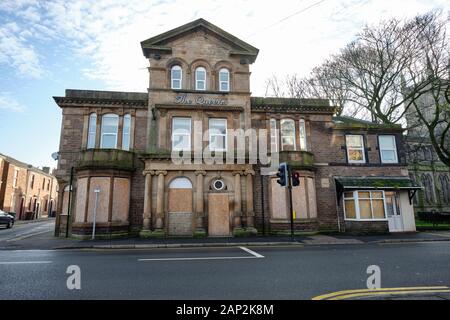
289,185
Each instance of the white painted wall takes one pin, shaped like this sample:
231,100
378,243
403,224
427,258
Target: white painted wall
407,211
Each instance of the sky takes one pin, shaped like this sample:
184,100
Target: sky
52,45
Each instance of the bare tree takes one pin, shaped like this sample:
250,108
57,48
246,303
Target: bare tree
432,110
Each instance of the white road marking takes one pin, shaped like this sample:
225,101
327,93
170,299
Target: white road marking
257,255
254,255
24,262
203,258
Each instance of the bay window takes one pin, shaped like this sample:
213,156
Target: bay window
109,131
364,205
218,134
181,134
388,149
302,129
355,148
92,130
126,132
287,135
273,136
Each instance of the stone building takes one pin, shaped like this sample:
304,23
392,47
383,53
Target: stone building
172,161
27,191
423,163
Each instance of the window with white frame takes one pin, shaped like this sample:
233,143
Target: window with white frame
388,149
92,130
287,134
176,76
302,132
218,134
224,80
200,78
16,174
181,134
110,127
364,205
355,149
126,132
273,136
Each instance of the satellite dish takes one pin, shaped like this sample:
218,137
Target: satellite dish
55,155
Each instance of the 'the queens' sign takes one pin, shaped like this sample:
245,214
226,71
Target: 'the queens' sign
200,100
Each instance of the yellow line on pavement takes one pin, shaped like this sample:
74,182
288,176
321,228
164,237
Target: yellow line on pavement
328,296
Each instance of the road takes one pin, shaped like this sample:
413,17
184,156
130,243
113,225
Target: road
220,273
22,231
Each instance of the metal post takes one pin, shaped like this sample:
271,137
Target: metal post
96,191
68,202
291,212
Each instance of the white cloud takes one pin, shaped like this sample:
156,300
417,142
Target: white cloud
108,33
8,103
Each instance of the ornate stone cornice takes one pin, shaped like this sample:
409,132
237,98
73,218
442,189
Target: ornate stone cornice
76,102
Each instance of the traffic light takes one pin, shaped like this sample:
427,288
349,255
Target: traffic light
282,175
295,179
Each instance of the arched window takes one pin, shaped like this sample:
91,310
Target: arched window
92,130
110,127
224,80
176,76
180,183
287,134
200,78
445,187
126,132
427,182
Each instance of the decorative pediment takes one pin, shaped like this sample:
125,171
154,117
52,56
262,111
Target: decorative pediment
159,44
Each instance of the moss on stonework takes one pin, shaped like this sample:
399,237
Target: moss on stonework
244,232
147,234
199,234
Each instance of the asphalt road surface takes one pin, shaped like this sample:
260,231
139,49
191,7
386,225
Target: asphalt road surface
220,273
23,231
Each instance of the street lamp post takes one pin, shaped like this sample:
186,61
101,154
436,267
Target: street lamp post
96,191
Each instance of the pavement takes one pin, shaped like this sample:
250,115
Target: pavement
38,235
36,265
332,272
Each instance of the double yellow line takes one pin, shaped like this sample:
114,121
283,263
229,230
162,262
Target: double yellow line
350,294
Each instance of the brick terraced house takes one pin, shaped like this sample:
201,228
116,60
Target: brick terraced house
122,145
27,191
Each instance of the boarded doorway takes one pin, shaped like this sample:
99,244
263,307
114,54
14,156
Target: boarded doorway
180,207
218,215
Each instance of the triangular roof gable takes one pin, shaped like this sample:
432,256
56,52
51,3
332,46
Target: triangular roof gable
156,44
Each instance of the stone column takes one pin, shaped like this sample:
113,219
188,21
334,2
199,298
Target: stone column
160,199
237,199
199,207
147,200
250,211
